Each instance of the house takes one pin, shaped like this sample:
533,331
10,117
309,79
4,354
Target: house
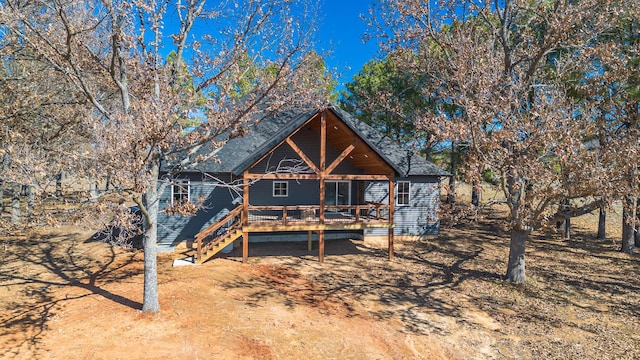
304,175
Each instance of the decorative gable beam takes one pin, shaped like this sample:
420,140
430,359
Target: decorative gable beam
342,156
266,154
302,155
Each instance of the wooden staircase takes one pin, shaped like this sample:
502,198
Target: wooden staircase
217,236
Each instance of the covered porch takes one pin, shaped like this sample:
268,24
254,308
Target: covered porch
348,148
328,152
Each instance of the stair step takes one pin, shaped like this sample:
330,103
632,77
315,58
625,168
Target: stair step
227,239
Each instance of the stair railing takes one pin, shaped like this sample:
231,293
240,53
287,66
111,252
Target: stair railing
211,230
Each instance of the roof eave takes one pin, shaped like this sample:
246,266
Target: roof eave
393,165
268,145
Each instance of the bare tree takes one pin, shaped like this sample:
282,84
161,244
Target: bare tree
616,86
505,65
38,117
160,81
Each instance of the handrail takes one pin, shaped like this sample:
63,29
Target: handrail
313,207
215,227
280,207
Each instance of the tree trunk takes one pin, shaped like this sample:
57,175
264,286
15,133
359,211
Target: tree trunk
636,232
628,225
93,189
602,224
567,228
1,196
150,303
59,184
566,233
475,194
516,265
15,204
30,200
451,194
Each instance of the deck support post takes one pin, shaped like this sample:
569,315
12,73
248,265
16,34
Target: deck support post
309,236
245,247
390,243
321,246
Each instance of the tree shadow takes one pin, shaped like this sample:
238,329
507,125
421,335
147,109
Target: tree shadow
33,269
591,268
420,287
409,287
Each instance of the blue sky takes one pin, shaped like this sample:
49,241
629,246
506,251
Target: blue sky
340,32
338,37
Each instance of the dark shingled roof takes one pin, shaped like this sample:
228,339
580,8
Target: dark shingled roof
239,153
404,160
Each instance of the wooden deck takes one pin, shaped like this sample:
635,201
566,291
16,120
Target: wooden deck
288,218
296,218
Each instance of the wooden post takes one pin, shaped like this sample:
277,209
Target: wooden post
323,163
392,202
245,246
245,217
322,200
322,175
309,236
198,249
321,246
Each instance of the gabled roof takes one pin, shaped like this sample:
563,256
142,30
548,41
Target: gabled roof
407,161
239,153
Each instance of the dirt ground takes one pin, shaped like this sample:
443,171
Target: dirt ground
64,297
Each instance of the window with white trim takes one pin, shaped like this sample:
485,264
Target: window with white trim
403,195
280,188
180,192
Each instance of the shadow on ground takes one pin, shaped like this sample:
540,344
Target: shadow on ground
451,277
33,267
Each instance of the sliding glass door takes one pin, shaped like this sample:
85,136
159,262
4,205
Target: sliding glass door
337,192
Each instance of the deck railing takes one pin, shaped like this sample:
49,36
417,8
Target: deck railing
226,228
310,214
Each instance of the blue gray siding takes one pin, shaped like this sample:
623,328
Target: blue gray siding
420,217
301,192
173,229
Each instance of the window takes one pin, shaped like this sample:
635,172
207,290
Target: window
403,197
280,189
180,192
